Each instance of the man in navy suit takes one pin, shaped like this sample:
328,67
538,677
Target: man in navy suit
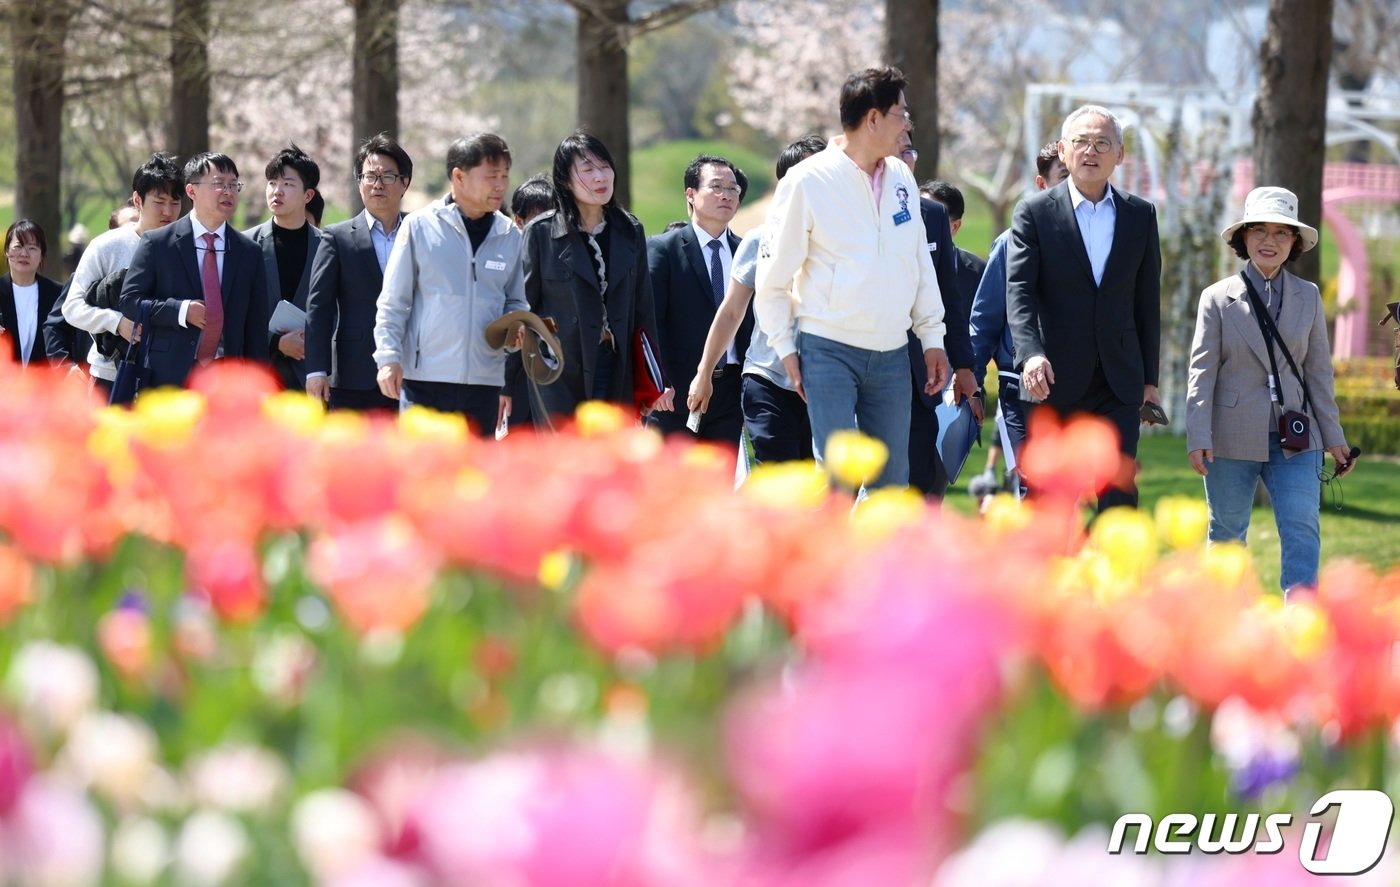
346,278
1083,284
288,241
205,280
690,270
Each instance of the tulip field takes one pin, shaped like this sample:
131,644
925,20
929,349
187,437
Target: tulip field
246,641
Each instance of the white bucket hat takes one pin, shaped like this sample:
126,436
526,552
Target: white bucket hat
1277,206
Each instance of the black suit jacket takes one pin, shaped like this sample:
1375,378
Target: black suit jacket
340,305
957,342
291,372
165,269
1055,309
560,282
62,340
685,308
9,316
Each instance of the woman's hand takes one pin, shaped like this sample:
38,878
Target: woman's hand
701,387
1199,458
1342,456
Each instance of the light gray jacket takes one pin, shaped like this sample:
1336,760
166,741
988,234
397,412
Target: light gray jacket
438,297
1228,409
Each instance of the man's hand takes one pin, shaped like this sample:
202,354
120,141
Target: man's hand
936,362
794,371
503,410
293,344
126,328
319,387
964,385
390,380
1037,376
1199,458
666,402
701,387
979,409
194,316
1342,457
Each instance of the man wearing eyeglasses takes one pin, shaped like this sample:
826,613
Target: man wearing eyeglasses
205,280
690,270
346,277
1083,280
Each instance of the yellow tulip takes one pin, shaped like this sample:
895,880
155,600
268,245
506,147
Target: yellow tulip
596,418
1128,539
422,423
555,569
166,417
799,485
296,411
885,512
854,459
1182,521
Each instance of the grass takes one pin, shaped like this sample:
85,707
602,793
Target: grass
658,195
1365,527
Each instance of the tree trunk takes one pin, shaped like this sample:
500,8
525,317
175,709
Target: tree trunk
1290,112
38,31
911,44
189,78
602,84
375,87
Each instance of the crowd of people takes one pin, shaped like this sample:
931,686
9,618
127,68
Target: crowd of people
849,307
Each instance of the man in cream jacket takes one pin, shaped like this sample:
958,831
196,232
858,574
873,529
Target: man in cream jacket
845,258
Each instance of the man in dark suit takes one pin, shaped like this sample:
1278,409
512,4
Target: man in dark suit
346,277
205,279
690,270
288,242
1083,282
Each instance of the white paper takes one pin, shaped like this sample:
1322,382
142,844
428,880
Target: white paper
286,317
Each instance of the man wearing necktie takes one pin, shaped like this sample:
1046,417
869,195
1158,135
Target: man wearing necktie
205,280
1083,281
690,270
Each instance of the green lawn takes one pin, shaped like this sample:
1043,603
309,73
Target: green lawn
658,171
1366,527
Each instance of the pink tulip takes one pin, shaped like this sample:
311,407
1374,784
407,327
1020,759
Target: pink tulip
16,766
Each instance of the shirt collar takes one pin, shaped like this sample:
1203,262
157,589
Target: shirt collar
200,230
703,237
1077,197
376,225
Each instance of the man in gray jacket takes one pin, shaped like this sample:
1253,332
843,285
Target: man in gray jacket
455,268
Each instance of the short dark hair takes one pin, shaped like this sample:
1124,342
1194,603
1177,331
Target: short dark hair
580,143
161,173
471,151
292,157
797,152
125,204
316,208
1236,244
200,164
874,89
27,231
1046,157
383,144
532,197
692,172
675,226
947,194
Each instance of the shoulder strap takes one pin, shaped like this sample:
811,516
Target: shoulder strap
1271,335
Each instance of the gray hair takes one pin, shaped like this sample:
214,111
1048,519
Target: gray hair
1092,111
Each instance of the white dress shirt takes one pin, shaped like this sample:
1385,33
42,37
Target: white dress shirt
220,247
1096,222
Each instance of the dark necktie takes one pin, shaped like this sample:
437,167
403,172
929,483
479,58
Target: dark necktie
213,303
717,290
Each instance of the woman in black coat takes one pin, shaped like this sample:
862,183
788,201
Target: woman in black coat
586,267
26,296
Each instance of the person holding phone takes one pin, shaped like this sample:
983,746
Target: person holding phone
1260,359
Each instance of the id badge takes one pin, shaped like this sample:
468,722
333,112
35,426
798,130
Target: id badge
902,216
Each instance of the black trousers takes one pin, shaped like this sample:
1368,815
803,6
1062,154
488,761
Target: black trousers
1100,400
777,421
926,471
722,421
480,404
361,401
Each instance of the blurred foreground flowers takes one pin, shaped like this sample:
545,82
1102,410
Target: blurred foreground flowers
247,642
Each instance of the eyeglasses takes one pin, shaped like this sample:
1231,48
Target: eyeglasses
1279,235
387,178
908,118
723,190
1100,145
16,248
233,187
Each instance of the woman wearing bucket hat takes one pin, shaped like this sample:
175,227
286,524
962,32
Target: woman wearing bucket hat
1259,400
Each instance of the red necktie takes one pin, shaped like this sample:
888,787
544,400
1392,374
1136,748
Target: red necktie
213,304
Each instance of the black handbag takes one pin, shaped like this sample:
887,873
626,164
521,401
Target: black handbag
106,293
133,370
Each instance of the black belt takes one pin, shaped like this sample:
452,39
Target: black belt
725,369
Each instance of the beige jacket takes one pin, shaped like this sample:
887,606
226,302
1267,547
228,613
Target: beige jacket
1228,409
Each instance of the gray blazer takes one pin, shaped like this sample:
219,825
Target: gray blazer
1228,409
292,372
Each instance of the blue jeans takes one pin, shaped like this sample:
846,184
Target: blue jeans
1293,489
849,387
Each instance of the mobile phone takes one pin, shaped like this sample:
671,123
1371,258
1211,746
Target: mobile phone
693,423
1152,414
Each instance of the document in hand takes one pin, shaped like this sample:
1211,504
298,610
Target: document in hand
648,379
286,317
